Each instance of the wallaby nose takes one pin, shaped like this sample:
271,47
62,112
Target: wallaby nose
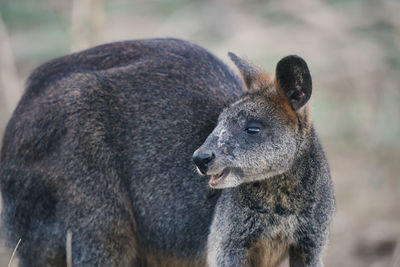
202,161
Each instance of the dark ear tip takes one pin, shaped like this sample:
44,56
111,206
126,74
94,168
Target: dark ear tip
233,57
289,65
292,60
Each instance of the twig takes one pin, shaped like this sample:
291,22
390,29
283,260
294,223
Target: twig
13,254
9,84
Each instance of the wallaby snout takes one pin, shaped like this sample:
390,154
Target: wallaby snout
203,160
215,164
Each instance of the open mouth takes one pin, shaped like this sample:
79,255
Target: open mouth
218,178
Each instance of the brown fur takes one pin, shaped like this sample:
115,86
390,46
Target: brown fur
262,80
267,253
150,258
263,84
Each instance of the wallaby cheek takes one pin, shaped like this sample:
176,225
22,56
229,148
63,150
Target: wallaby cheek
281,155
271,157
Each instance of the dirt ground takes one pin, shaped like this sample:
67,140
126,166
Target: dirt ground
353,51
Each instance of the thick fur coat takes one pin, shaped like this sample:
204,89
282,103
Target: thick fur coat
101,146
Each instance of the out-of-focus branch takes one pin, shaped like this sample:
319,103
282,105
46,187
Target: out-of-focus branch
396,254
87,18
96,21
9,83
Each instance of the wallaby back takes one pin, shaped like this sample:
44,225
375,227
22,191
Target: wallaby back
101,144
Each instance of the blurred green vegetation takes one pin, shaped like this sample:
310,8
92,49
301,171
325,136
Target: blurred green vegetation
47,29
27,15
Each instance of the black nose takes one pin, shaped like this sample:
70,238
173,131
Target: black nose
202,161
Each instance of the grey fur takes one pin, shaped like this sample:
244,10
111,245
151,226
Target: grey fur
101,145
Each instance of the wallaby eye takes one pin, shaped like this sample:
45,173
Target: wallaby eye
253,128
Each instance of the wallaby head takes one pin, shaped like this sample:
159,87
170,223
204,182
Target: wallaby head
261,134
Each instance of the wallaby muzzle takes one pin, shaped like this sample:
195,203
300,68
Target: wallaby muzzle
203,160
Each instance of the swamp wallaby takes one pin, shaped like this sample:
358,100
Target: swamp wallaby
279,198
101,145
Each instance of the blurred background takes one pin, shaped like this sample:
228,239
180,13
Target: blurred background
352,48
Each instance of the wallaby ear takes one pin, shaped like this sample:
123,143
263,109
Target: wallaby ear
293,80
253,76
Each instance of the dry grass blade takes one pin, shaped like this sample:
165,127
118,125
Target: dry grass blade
69,249
13,254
